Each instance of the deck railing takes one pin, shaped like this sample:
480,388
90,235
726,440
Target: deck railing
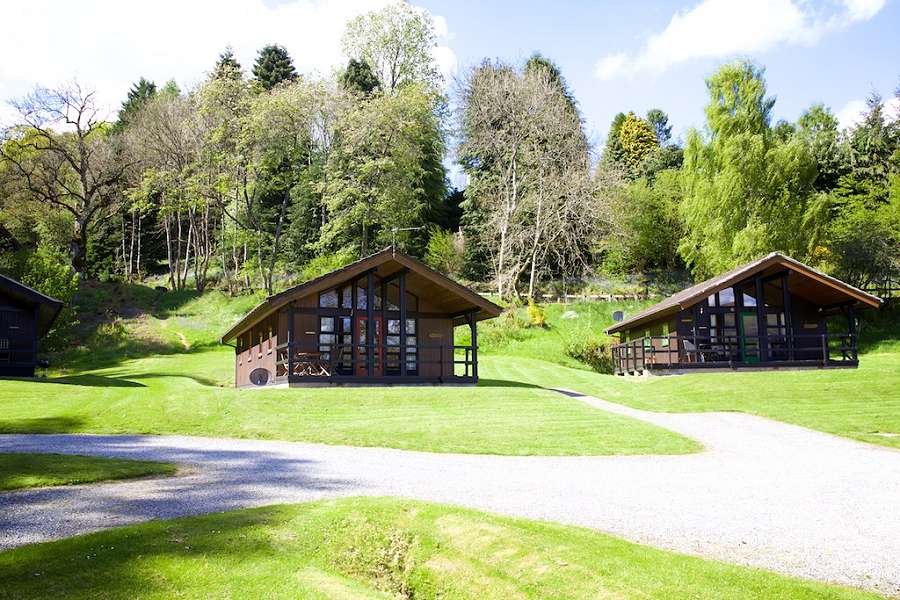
673,352
17,352
347,361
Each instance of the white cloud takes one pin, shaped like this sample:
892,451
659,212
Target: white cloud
720,28
108,44
852,113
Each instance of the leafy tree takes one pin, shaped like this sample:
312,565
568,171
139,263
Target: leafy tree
397,42
378,175
358,78
48,271
818,129
273,66
77,171
444,251
747,192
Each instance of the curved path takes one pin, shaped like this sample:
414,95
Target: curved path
763,493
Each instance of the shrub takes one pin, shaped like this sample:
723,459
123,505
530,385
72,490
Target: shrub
592,352
445,251
536,314
48,271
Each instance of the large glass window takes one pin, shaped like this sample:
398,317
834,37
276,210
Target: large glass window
328,299
327,337
726,297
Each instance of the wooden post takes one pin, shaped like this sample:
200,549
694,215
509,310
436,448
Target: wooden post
824,349
370,325
34,331
762,326
473,327
851,329
788,316
402,285
290,341
354,330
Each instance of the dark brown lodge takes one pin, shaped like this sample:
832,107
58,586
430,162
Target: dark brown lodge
387,318
25,316
773,312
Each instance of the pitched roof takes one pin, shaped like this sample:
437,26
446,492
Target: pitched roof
48,308
471,300
690,296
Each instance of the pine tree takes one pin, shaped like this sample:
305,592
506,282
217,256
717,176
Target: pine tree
138,95
358,78
227,65
273,66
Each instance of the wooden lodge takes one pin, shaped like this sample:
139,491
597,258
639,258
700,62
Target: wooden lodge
385,319
774,312
25,316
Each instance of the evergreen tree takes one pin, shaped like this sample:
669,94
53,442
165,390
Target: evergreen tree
273,66
138,95
358,78
227,65
659,120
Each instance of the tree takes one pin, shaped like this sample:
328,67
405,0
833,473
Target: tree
76,170
818,129
380,171
397,42
138,95
637,141
227,65
746,191
523,150
659,121
358,78
612,150
273,66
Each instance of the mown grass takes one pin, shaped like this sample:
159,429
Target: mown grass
178,394
375,548
27,470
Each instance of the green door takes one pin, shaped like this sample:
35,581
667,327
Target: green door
748,336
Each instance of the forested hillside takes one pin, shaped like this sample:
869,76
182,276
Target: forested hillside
260,176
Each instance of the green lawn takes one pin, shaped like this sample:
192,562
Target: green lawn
175,394
374,548
862,403
23,470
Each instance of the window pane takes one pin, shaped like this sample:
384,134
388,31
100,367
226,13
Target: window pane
361,294
347,297
410,340
712,300
326,340
726,297
328,299
326,324
393,340
393,326
729,319
410,326
345,324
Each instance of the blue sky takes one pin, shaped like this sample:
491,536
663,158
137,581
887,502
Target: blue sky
837,66
649,54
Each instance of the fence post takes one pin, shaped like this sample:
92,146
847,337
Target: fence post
824,350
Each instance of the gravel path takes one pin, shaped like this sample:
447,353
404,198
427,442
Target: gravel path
763,493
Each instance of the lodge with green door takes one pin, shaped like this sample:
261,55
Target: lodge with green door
772,313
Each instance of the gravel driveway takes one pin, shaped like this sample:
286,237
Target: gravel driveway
763,493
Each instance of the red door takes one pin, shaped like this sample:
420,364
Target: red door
362,340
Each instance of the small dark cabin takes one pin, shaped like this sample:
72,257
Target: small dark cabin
385,319
25,316
773,312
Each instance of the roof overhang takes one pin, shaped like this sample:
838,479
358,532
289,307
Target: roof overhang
835,291
48,308
386,263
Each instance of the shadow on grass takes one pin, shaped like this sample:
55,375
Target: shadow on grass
90,380
505,383
42,425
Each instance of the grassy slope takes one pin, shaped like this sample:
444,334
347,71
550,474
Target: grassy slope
374,548
23,470
861,403
173,391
